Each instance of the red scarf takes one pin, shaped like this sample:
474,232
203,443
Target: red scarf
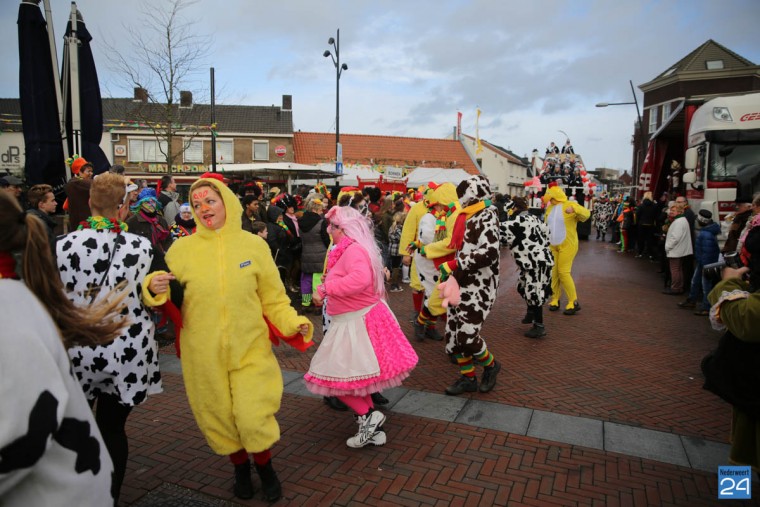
7,266
457,235
157,233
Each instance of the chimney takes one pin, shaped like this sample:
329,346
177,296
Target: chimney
141,95
287,102
185,99
454,137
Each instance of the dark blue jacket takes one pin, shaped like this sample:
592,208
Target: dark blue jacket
706,250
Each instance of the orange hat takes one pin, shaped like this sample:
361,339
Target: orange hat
78,164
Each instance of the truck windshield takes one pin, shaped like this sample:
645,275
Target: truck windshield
727,159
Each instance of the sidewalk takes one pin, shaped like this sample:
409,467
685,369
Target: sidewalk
608,409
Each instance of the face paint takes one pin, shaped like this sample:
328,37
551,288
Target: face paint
200,195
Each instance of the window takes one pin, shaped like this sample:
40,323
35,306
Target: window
652,119
261,150
665,112
714,64
147,150
193,152
224,151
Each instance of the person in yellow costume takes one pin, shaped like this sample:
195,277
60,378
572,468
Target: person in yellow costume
233,299
562,217
444,203
409,236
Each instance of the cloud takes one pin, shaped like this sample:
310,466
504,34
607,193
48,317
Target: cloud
532,67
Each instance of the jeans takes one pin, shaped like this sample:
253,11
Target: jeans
700,283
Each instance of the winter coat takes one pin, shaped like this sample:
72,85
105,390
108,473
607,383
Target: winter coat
740,316
232,378
678,239
646,213
315,242
50,226
78,194
737,226
706,249
169,206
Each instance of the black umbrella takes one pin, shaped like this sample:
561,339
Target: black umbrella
39,105
90,105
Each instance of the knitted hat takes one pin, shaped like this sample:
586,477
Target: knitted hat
184,208
146,193
704,217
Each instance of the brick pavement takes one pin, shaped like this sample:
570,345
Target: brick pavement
629,356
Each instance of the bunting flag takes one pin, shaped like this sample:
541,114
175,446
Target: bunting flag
479,146
459,124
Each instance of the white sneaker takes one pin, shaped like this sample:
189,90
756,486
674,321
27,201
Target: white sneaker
369,430
377,439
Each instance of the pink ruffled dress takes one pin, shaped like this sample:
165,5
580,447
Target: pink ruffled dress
364,350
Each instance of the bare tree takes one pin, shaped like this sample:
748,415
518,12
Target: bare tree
167,55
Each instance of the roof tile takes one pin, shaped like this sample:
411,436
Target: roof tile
317,148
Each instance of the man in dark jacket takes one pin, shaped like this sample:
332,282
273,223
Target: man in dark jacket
42,205
250,212
646,216
743,212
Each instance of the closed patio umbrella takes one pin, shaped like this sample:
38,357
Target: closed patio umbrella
39,104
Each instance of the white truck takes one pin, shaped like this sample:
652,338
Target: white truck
723,155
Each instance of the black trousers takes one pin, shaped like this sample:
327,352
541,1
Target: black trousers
111,416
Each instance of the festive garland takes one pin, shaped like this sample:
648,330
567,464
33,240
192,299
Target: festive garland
100,223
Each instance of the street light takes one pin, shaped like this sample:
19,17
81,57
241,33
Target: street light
338,71
642,141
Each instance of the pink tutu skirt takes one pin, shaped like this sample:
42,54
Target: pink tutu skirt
363,352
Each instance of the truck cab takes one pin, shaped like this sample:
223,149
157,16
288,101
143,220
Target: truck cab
723,155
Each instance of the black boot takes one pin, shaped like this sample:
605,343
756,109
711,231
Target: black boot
270,484
528,319
463,384
243,487
334,403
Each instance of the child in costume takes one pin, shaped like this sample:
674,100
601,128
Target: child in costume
364,350
562,217
474,273
528,240
444,204
234,303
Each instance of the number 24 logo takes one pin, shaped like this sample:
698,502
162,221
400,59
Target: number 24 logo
729,485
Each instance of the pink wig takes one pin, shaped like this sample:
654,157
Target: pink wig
357,227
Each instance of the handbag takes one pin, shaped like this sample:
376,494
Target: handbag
93,290
732,372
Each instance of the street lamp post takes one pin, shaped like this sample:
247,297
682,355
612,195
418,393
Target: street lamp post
338,71
641,148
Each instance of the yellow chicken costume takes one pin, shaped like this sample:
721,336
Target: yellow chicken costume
440,251
231,284
562,217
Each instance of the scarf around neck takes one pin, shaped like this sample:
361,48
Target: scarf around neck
337,252
457,236
157,232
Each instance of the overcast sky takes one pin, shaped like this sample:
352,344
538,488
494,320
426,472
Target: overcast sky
533,67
